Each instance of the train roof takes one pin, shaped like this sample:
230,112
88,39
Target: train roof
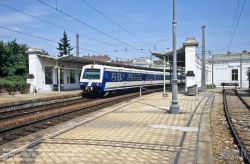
80,60
123,68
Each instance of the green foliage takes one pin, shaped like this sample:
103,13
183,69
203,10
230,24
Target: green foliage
14,82
64,46
210,86
13,60
45,53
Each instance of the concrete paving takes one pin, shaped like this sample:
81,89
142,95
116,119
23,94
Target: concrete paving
137,131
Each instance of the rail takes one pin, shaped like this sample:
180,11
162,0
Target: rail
233,132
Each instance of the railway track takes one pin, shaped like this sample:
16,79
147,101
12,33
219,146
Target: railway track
238,115
24,125
33,110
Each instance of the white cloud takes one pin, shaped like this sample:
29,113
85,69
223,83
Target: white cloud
15,18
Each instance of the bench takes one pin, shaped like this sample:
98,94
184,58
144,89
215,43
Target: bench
56,87
230,84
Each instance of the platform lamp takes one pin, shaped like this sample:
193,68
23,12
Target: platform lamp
164,72
58,70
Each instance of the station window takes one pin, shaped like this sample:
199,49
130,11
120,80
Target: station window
119,77
234,74
72,76
61,76
48,75
113,76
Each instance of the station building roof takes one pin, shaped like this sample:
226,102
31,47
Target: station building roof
83,61
180,53
229,56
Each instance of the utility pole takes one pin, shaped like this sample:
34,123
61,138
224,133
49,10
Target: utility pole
203,65
241,70
174,107
77,45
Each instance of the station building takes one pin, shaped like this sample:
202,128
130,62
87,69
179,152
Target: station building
230,67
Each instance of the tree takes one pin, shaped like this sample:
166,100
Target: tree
13,59
248,76
64,46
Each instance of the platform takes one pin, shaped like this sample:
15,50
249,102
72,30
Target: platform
137,131
26,98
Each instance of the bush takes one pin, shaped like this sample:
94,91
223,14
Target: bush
210,86
11,82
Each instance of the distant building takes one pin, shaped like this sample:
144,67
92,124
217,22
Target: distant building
98,57
227,68
143,62
125,62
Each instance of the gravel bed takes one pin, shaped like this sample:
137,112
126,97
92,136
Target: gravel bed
224,149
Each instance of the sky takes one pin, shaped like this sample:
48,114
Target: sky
126,29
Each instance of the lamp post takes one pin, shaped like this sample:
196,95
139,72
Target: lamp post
174,107
58,70
164,72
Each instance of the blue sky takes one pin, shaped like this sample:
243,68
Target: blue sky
149,23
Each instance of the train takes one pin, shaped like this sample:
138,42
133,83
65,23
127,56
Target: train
103,79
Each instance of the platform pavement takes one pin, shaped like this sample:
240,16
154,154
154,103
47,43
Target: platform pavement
137,131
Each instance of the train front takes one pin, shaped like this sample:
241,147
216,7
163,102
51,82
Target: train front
91,79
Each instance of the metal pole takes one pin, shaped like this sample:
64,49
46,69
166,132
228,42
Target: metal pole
77,45
174,107
58,74
212,70
240,71
170,77
203,65
164,74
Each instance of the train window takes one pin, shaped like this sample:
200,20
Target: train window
146,77
129,77
119,77
91,74
140,77
133,76
136,77
123,75
113,76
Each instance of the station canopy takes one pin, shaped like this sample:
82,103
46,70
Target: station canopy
80,60
180,53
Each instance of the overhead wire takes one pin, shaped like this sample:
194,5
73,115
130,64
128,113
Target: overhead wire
106,43
236,25
91,26
233,24
59,26
46,39
119,26
177,36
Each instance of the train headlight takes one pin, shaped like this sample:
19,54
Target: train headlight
97,84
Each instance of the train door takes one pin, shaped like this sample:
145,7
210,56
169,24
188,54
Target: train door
124,78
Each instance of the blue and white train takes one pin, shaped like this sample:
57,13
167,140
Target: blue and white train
101,79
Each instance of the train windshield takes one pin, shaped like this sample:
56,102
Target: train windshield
91,74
